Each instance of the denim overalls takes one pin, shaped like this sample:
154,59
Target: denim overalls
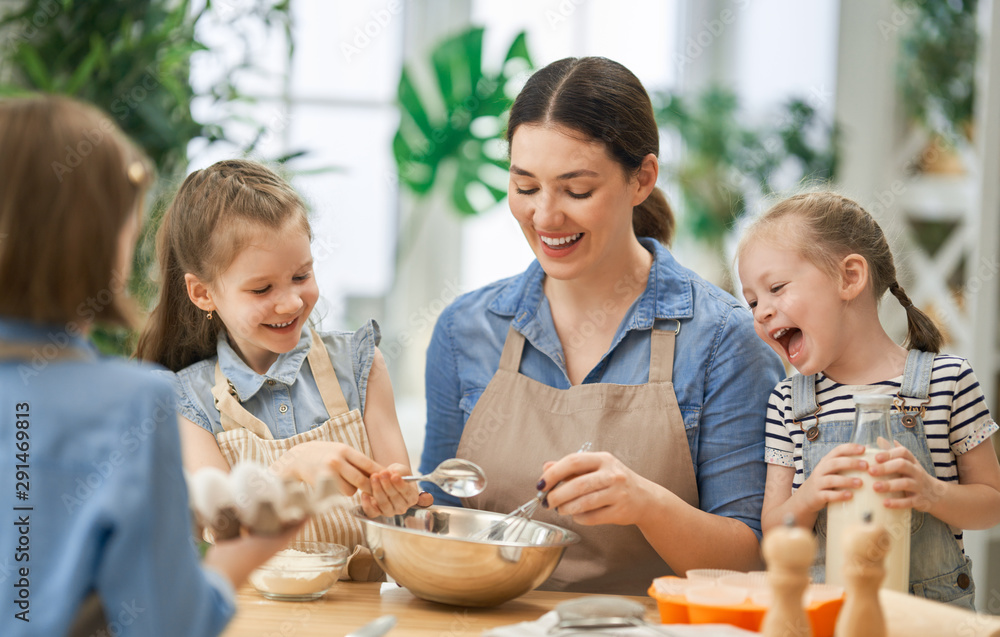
938,568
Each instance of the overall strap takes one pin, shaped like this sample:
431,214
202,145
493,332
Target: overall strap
803,396
661,353
513,346
326,378
917,374
232,414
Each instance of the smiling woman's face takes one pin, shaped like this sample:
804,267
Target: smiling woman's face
572,200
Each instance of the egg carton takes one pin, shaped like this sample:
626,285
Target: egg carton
252,497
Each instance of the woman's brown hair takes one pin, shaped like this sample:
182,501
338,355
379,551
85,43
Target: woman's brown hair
70,182
217,212
827,227
605,102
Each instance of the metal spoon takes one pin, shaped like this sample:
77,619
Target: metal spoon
456,477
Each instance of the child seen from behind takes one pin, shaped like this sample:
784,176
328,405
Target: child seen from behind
100,535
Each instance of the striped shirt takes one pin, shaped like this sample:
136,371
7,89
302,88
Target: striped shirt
957,417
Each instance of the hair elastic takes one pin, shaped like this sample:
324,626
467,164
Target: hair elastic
136,173
897,290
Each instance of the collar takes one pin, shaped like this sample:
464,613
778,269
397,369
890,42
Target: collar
59,335
248,382
667,295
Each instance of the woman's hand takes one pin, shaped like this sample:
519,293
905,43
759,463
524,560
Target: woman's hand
391,495
826,484
911,486
595,488
310,461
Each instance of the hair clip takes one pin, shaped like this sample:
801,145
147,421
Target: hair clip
136,173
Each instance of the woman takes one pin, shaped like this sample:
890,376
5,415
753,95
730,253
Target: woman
606,339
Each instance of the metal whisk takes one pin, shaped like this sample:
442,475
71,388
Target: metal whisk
510,527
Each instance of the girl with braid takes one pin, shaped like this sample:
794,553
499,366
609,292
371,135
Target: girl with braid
814,268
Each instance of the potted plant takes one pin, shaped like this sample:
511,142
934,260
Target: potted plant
131,58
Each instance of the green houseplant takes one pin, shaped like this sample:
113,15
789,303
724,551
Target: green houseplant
727,161
133,59
937,63
465,131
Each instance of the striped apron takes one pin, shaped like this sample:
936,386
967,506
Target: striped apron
247,438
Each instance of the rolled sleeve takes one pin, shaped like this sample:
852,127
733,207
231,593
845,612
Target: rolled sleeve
445,418
730,457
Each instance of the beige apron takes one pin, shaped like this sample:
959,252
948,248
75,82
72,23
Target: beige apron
520,423
90,619
245,437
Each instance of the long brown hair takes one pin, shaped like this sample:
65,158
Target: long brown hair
605,102
827,227
216,213
70,181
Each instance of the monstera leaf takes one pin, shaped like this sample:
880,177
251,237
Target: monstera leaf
462,122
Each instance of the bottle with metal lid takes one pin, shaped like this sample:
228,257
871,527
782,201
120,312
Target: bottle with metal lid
872,429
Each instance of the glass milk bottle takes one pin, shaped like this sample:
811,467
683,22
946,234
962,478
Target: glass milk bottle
873,430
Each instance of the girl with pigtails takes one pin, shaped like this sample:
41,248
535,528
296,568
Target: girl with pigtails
813,269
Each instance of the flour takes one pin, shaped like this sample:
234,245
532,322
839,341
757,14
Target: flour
292,572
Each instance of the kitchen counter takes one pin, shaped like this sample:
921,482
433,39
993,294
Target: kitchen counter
353,604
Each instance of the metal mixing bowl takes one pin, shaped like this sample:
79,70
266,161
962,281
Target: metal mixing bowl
429,551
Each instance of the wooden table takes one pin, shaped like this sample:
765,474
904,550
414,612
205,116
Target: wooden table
353,604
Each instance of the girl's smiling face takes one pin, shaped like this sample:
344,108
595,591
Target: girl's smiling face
265,295
572,200
797,307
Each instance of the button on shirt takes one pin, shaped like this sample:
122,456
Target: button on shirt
723,373
285,398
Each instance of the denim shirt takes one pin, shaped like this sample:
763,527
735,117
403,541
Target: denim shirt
106,505
723,373
286,397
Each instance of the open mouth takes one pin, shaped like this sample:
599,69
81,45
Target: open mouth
790,339
561,243
282,326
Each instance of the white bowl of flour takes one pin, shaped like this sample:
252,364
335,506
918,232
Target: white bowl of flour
302,572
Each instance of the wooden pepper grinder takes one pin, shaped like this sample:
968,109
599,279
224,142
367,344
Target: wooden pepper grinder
789,552
865,548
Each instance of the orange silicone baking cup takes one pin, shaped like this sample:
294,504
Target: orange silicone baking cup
675,609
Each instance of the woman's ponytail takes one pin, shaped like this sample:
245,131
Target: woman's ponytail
921,331
654,218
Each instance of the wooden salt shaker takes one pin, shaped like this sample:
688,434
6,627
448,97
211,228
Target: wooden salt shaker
789,552
865,548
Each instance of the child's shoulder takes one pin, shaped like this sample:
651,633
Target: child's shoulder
368,331
194,374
